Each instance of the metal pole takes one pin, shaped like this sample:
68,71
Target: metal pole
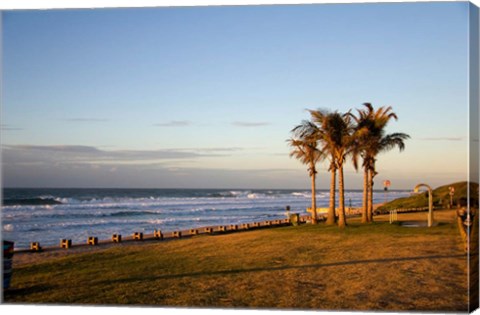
430,203
430,208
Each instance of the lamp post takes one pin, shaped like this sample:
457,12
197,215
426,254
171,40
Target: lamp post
430,202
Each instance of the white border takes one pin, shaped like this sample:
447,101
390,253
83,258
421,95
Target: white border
70,4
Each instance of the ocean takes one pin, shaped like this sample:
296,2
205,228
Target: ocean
48,215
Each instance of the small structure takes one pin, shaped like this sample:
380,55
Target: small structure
208,230
393,216
35,247
233,227
116,238
138,236
177,234
92,241
193,232
158,234
245,226
64,243
222,228
430,202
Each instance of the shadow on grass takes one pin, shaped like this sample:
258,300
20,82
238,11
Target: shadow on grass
18,292
280,268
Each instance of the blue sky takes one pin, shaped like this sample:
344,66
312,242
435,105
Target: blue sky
206,96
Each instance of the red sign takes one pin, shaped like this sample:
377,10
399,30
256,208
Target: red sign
386,183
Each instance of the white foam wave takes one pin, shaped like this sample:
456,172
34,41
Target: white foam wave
302,194
8,227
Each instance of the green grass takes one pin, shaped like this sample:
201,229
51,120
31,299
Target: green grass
375,266
441,198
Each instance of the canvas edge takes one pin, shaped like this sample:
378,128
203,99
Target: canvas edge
473,172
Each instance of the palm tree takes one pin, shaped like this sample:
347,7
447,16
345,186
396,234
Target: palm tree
371,140
304,149
320,130
335,133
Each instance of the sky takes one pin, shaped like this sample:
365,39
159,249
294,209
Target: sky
205,97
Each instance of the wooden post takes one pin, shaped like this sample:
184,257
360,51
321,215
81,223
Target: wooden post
92,241
138,236
158,234
116,238
35,247
64,243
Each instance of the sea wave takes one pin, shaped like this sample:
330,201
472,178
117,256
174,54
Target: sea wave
31,202
8,227
78,213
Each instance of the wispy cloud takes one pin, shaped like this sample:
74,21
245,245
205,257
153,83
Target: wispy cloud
209,150
86,119
250,123
4,127
78,154
174,123
441,139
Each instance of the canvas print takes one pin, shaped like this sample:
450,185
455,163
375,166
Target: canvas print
318,157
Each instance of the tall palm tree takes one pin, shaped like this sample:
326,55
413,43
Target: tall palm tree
321,133
336,137
304,149
371,140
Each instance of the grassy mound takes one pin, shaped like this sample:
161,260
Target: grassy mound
441,198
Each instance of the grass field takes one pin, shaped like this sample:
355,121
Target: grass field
378,266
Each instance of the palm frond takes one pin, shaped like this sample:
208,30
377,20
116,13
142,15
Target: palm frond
393,140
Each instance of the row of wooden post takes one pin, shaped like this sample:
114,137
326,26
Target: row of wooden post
157,234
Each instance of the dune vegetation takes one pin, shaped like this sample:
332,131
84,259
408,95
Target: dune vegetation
441,198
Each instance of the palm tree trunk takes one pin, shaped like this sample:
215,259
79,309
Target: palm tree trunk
365,196
331,210
370,196
342,222
314,201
